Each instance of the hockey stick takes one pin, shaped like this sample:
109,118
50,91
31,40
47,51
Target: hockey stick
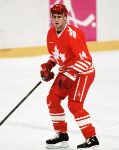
20,102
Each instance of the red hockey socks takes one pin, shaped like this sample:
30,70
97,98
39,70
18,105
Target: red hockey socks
82,118
57,113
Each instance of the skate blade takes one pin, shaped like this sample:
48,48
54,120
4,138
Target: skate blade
63,144
90,148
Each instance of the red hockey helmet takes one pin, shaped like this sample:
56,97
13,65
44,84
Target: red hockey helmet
59,8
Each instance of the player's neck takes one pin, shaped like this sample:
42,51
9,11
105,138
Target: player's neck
60,29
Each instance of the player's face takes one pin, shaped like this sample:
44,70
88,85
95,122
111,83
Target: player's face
58,20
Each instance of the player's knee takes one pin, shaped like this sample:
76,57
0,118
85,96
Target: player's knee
74,106
53,101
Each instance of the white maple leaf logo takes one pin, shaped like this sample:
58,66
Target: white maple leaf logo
58,55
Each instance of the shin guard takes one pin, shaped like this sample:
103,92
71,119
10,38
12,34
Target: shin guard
82,118
57,113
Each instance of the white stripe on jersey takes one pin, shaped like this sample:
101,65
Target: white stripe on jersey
81,70
77,69
89,71
80,66
84,65
89,63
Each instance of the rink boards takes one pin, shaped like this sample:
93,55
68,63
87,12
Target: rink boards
41,50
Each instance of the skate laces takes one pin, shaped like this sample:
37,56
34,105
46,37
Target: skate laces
55,136
89,141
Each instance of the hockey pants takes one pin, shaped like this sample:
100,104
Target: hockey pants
76,97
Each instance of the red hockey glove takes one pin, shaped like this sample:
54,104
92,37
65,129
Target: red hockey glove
46,73
67,79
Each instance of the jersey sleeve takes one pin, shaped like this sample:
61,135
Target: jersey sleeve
50,46
52,61
83,63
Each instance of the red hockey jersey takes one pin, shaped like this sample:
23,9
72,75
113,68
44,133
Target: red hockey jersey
68,49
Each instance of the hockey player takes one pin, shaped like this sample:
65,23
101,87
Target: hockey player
67,47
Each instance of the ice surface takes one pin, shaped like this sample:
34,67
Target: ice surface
29,126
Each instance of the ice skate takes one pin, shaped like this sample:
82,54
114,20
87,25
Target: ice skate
59,141
91,143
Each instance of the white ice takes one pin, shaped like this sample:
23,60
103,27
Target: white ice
30,125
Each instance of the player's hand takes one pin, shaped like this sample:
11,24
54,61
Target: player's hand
65,82
46,73
67,79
